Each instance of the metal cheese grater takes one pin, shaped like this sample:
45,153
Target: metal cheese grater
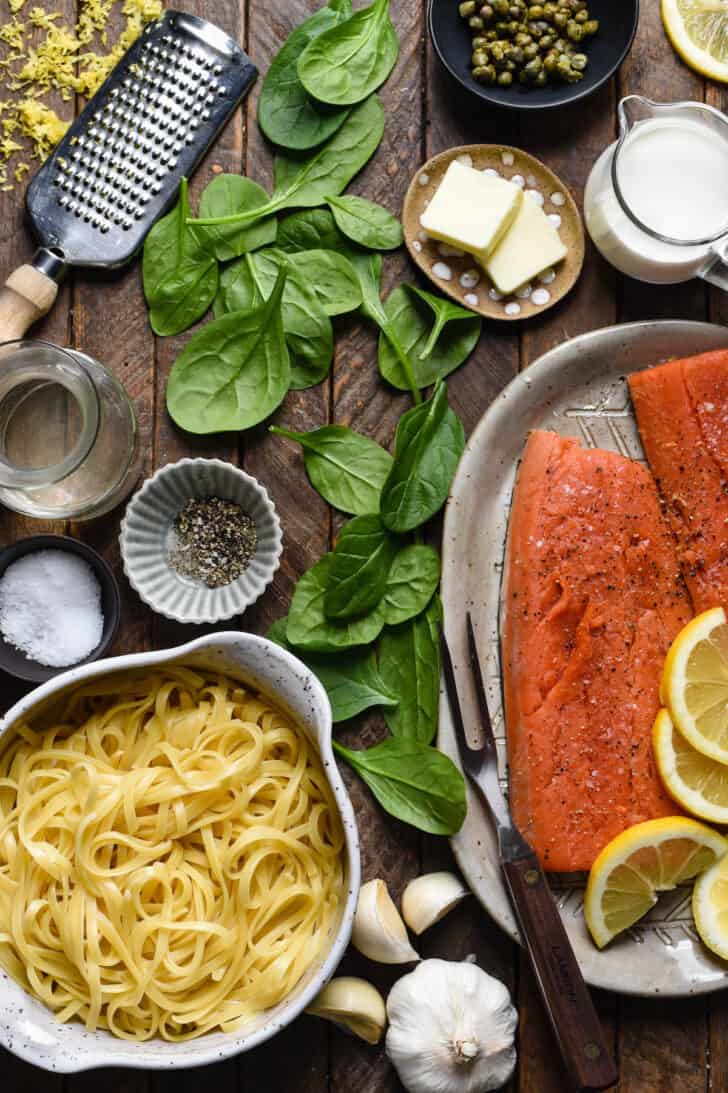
121,162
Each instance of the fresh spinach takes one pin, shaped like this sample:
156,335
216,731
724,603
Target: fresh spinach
435,349
227,195
234,371
309,629
409,663
310,229
412,781
332,278
428,445
351,680
306,181
411,584
286,113
346,63
359,568
308,330
346,468
366,223
180,279
368,268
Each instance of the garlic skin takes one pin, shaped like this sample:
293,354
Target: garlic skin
379,931
429,898
353,1004
451,1029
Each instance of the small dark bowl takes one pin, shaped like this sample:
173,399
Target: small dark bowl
606,51
16,663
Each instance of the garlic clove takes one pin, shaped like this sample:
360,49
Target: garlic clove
429,898
379,931
355,1005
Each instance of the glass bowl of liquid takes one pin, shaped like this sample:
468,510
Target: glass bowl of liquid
68,433
656,203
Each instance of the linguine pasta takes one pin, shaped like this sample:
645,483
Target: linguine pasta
170,855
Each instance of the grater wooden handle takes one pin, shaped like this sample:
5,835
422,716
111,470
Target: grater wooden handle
26,296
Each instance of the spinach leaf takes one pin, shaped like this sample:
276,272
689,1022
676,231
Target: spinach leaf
436,349
412,781
346,468
412,582
359,568
225,196
286,113
306,181
311,229
331,277
366,223
351,680
409,663
180,278
233,372
308,330
427,448
345,64
309,629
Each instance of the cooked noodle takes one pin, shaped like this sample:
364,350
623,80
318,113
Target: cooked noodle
170,855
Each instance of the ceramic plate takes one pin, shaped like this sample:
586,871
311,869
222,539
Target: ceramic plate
579,390
457,274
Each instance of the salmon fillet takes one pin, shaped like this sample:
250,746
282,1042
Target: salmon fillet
594,598
682,413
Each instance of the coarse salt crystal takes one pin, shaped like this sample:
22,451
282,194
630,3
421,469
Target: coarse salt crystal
50,607
443,271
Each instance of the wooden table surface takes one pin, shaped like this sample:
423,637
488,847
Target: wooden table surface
661,1046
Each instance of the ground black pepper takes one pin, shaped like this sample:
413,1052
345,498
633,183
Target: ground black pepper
215,541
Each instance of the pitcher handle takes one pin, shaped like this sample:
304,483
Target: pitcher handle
715,270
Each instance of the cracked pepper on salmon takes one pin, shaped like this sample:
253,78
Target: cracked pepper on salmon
682,413
594,598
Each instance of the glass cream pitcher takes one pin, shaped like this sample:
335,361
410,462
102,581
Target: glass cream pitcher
656,202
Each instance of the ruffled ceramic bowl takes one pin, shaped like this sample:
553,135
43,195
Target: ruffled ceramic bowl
30,1030
147,535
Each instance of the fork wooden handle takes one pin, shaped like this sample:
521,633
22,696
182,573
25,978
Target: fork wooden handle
26,296
565,995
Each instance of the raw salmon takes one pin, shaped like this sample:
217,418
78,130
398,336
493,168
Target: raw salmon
682,413
594,598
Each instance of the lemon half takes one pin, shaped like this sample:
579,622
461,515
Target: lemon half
695,781
710,907
648,858
698,31
695,683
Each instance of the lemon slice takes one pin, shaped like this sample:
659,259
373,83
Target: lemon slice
645,859
695,683
695,781
698,30
710,907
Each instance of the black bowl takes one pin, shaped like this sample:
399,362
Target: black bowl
16,663
606,51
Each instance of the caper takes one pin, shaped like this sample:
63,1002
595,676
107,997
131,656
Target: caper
487,13
547,41
591,26
581,16
479,58
476,23
486,74
549,10
497,52
542,79
491,36
579,61
500,7
515,12
530,52
467,8
533,68
550,61
522,39
479,43
515,54
573,31
505,79
536,11
560,45
561,18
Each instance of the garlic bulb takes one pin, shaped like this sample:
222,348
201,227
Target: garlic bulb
355,1005
451,1029
379,932
429,898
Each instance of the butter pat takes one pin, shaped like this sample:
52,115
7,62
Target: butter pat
471,210
531,245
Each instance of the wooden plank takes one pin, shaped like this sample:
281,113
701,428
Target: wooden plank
662,1045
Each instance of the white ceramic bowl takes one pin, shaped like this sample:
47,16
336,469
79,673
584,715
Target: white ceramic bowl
147,533
30,1030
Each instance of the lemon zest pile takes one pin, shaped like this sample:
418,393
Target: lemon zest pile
41,57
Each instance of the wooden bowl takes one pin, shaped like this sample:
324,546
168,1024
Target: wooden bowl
454,273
